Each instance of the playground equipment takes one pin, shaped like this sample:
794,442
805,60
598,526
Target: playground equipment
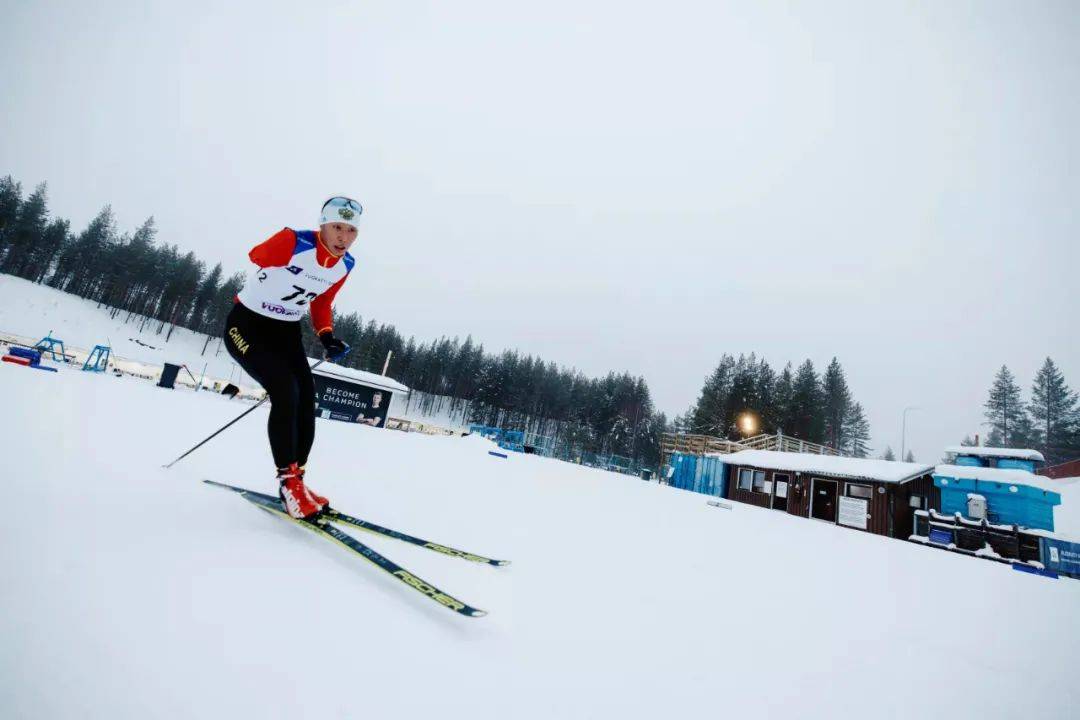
198,383
49,344
98,360
27,357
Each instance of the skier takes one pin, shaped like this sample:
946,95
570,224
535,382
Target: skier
295,268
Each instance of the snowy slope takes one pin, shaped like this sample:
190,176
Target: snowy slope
29,311
32,311
132,592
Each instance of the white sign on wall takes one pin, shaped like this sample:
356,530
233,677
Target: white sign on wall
853,512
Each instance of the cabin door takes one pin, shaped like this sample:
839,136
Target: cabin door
780,492
823,500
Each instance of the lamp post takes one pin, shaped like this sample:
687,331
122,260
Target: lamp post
747,424
903,432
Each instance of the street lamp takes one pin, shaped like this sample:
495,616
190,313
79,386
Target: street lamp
903,432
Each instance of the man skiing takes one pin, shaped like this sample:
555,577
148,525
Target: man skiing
295,268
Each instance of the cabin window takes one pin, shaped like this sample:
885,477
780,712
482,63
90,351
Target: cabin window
860,491
918,502
759,481
745,478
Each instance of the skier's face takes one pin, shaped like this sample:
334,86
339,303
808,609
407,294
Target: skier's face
338,237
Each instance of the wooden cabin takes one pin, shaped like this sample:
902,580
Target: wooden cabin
878,496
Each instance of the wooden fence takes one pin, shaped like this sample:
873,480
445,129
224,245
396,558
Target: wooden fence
976,537
707,444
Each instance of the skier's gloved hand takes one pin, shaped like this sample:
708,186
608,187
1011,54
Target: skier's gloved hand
335,348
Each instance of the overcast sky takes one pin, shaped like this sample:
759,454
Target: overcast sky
609,185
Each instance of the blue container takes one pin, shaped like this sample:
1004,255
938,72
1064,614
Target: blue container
1016,464
1000,463
705,475
969,461
1008,503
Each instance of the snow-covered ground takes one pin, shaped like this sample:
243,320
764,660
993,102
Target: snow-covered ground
32,311
129,591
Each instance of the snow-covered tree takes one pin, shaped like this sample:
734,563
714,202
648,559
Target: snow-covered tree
1004,410
710,410
807,408
1053,409
857,432
837,404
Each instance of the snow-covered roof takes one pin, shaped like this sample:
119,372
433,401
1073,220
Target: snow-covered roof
857,468
996,452
367,378
998,475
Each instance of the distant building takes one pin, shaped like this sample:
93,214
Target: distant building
878,496
985,502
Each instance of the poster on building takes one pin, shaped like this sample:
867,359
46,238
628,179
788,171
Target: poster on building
338,399
853,512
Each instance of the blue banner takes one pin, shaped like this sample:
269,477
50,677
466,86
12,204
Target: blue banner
1061,556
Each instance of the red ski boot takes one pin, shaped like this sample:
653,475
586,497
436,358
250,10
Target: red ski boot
296,498
319,499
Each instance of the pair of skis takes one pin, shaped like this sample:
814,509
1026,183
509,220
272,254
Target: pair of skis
323,525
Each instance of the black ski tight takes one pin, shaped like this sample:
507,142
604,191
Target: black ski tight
271,351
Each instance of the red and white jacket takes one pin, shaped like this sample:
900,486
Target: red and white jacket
295,270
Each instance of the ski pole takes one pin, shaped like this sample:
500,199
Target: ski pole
229,424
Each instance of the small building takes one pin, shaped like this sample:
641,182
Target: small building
999,495
992,457
1063,470
878,496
